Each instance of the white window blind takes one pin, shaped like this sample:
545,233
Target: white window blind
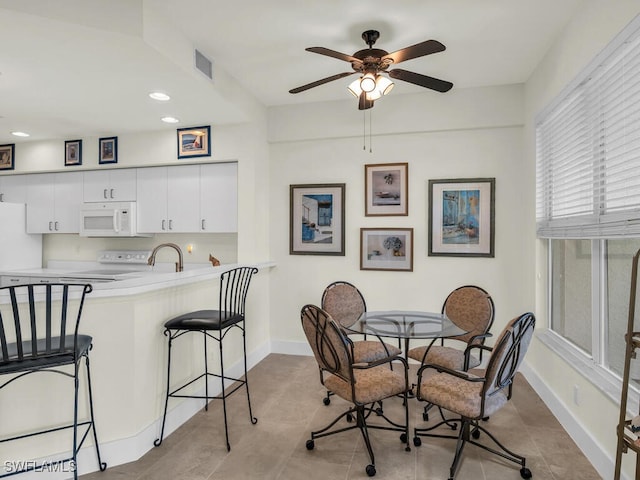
588,149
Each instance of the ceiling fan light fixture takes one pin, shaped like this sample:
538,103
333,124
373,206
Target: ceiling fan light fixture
368,82
375,95
384,85
354,88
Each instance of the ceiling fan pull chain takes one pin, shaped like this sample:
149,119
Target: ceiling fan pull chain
370,139
364,130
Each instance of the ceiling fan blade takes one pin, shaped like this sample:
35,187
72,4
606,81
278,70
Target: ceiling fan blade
332,53
421,80
320,82
363,102
415,51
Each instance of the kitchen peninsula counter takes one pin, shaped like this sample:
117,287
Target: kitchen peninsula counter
128,363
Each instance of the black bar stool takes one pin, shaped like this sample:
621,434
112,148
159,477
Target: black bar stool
214,324
39,333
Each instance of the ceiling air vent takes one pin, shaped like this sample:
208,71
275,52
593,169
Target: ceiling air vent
204,64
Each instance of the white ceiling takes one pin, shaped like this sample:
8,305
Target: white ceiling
76,68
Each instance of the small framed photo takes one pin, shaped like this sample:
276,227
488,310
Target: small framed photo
7,156
73,152
386,249
108,150
461,217
386,189
316,219
194,142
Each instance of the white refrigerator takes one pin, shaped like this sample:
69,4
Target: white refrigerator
18,250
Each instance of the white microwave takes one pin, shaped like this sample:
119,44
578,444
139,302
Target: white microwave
111,219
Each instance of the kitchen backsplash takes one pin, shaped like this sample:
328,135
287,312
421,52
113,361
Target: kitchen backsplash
223,246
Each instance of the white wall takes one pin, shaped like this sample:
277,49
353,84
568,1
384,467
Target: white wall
461,134
596,417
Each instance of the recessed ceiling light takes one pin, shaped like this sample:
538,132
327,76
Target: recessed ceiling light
20,134
170,120
163,97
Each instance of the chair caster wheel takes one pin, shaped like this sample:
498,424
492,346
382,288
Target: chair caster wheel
349,418
379,411
403,438
425,417
453,426
371,470
417,441
525,472
326,400
476,434
485,419
310,444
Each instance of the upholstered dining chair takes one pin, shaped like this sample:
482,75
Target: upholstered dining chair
476,396
345,303
470,308
361,384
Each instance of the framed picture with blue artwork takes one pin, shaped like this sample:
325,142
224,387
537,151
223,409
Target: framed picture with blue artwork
461,217
194,142
316,224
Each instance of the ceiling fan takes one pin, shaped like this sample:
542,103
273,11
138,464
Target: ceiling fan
371,62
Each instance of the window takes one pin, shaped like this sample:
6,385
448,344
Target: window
588,202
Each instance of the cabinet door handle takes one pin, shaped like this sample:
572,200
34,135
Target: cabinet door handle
104,193
55,225
203,227
111,193
1,197
164,224
170,224
50,226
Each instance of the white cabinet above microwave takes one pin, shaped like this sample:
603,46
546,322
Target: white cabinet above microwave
115,185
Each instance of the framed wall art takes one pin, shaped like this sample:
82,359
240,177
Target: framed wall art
7,161
73,152
316,219
386,249
108,150
461,217
386,189
194,142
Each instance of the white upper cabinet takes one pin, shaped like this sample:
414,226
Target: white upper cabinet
168,199
116,185
219,197
13,188
188,198
53,202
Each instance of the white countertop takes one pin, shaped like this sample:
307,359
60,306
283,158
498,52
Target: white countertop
141,281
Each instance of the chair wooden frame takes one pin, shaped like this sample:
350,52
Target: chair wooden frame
334,354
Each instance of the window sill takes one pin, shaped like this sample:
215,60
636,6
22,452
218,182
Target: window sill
605,381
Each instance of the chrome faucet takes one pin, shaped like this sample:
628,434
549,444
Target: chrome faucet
152,258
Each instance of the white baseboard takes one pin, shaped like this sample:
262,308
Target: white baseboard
589,445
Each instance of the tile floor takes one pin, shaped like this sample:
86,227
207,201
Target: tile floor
287,399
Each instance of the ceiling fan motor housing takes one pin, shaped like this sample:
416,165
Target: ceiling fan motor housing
370,37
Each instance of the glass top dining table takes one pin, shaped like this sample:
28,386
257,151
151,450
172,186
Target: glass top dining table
405,325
